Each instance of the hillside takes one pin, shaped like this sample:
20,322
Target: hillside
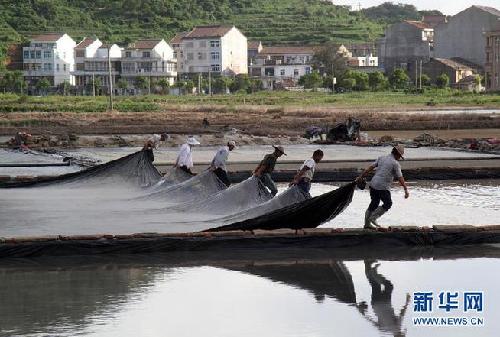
277,21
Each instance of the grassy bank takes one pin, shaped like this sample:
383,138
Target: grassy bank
369,100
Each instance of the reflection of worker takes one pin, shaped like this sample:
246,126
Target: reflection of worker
305,174
21,139
266,167
185,159
152,143
218,165
387,169
381,302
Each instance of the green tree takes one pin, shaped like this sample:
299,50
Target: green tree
13,81
399,79
64,87
348,83
43,85
328,61
426,80
164,85
141,82
361,78
377,81
256,85
222,84
443,81
241,83
311,81
188,86
122,84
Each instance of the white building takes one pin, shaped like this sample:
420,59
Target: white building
92,63
282,66
152,59
218,49
363,61
49,56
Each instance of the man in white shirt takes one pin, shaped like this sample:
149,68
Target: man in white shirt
388,168
218,165
152,143
305,174
185,159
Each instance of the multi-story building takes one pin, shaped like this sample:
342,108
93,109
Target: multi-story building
363,61
282,65
404,44
152,59
93,64
176,44
216,49
463,35
49,56
492,64
455,70
254,48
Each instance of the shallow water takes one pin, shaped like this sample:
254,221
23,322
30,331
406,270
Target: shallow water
276,293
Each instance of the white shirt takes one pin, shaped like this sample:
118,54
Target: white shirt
220,158
185,158
155,141
387,168
311,164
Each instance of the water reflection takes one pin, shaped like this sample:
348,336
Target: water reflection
96,296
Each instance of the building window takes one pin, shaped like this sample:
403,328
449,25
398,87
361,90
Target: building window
308,70
47,54
201,56
38,45
32,54
296,72
146,54
80,53
282,72
38,54
26,54
203,44
215,44
46,66
64,67
57,66
215,67
189,44
190,56
128,54
215,55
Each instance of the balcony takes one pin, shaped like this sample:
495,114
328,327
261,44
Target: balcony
155,73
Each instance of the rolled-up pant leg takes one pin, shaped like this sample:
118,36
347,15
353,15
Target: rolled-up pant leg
377,196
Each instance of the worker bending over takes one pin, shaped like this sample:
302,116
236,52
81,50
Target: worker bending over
266,167
152,143
185,159
218,165
305,174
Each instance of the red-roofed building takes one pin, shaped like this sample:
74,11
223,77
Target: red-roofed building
50,56
216,49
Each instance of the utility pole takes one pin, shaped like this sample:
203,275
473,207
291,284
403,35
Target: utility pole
149,83
210,80
93,83
110,80
416,74
199,83
333,81
420,75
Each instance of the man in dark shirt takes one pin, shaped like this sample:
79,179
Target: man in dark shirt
266,167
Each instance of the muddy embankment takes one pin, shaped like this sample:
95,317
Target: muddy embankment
254,120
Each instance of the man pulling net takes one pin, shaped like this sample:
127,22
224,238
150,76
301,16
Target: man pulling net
266,167
185,158
218,165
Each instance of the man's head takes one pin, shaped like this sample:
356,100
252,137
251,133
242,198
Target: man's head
318,155
398,152
163,137
279,151
231,145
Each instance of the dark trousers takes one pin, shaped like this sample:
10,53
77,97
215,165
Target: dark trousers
149,154
269,183
305,186
222,175
185,169
377,196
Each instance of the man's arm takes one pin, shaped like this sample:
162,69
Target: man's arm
299,175
366,172
258,171
402,182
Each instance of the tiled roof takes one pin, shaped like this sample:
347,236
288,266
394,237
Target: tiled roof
178,37
85,43
144,44
253,44
419,24
208,31
49,37
453,64
490,10
288,50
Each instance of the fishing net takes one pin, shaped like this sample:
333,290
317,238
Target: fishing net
128,195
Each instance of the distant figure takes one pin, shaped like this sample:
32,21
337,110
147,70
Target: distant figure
388,168
266,167
205,123
185,159
218,165
152,143
305,174
20,140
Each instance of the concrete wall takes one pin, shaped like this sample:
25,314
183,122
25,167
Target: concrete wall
463,35
434,68
402,46
234,53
